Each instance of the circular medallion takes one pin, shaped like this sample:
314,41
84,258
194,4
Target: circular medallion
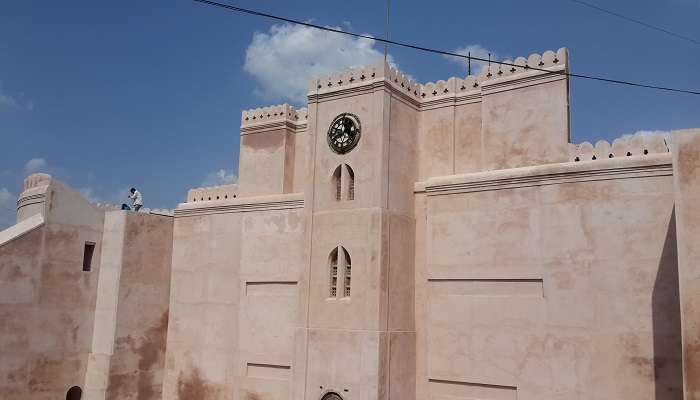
344,133
331,396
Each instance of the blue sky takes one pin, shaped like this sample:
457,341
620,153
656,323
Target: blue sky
106,95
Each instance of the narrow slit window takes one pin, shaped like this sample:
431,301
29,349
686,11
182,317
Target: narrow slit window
334,273
348,270
337,183
351,183
87,255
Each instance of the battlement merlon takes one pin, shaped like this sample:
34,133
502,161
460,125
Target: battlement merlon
554,64
273,117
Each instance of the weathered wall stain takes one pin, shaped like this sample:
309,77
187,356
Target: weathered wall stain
136,368
252,396
193,386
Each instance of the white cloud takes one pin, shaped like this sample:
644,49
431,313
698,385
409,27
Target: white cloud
8,101
220,177
8,208
34,165
14,102
666,135
476,50
284,60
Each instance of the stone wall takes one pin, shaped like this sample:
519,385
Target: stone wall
686,168
47,302
138,360
234,298
551,282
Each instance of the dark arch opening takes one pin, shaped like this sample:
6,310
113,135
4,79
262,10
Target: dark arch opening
331,396
336,182
74,393
333,264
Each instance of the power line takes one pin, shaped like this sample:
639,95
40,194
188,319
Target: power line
442,52
636,21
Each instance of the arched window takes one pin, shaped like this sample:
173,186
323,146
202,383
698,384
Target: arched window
74,393
333,261
331,396
351,183
340,270
348,270
343,181
337,184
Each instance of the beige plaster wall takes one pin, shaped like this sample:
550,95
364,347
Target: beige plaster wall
263,159
468,139
137,363
233,299
204,294
551,283
525,121
686,168
301,144
47,301
437,127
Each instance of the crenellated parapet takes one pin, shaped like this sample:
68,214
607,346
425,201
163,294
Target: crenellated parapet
548,64
349,78
403,82
639,144
549,61
212,193
279,114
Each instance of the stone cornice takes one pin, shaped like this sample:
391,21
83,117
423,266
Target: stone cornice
238,205
550,174
270,126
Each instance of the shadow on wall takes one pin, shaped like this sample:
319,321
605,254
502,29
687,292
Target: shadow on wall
668,370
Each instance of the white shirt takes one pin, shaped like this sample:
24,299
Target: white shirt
136,198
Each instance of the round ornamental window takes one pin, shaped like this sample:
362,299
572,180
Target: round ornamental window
331,396
344,133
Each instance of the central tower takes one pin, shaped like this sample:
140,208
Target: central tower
356,336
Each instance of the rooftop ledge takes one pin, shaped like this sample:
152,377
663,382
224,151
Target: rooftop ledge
241,204
550,174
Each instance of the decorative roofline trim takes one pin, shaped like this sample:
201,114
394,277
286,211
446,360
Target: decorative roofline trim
270,126
30,199
247,204
276,113
549,174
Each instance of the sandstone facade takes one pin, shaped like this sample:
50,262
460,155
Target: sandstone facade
393,240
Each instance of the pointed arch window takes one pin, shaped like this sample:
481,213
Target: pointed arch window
337,182
343,183
340,270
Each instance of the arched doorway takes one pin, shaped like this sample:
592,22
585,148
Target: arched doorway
74,393
331,396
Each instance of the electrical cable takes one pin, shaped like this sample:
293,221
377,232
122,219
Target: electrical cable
442,52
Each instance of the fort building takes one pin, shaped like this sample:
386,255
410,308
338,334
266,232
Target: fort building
392,240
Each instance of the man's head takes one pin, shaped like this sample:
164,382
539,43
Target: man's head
132,190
